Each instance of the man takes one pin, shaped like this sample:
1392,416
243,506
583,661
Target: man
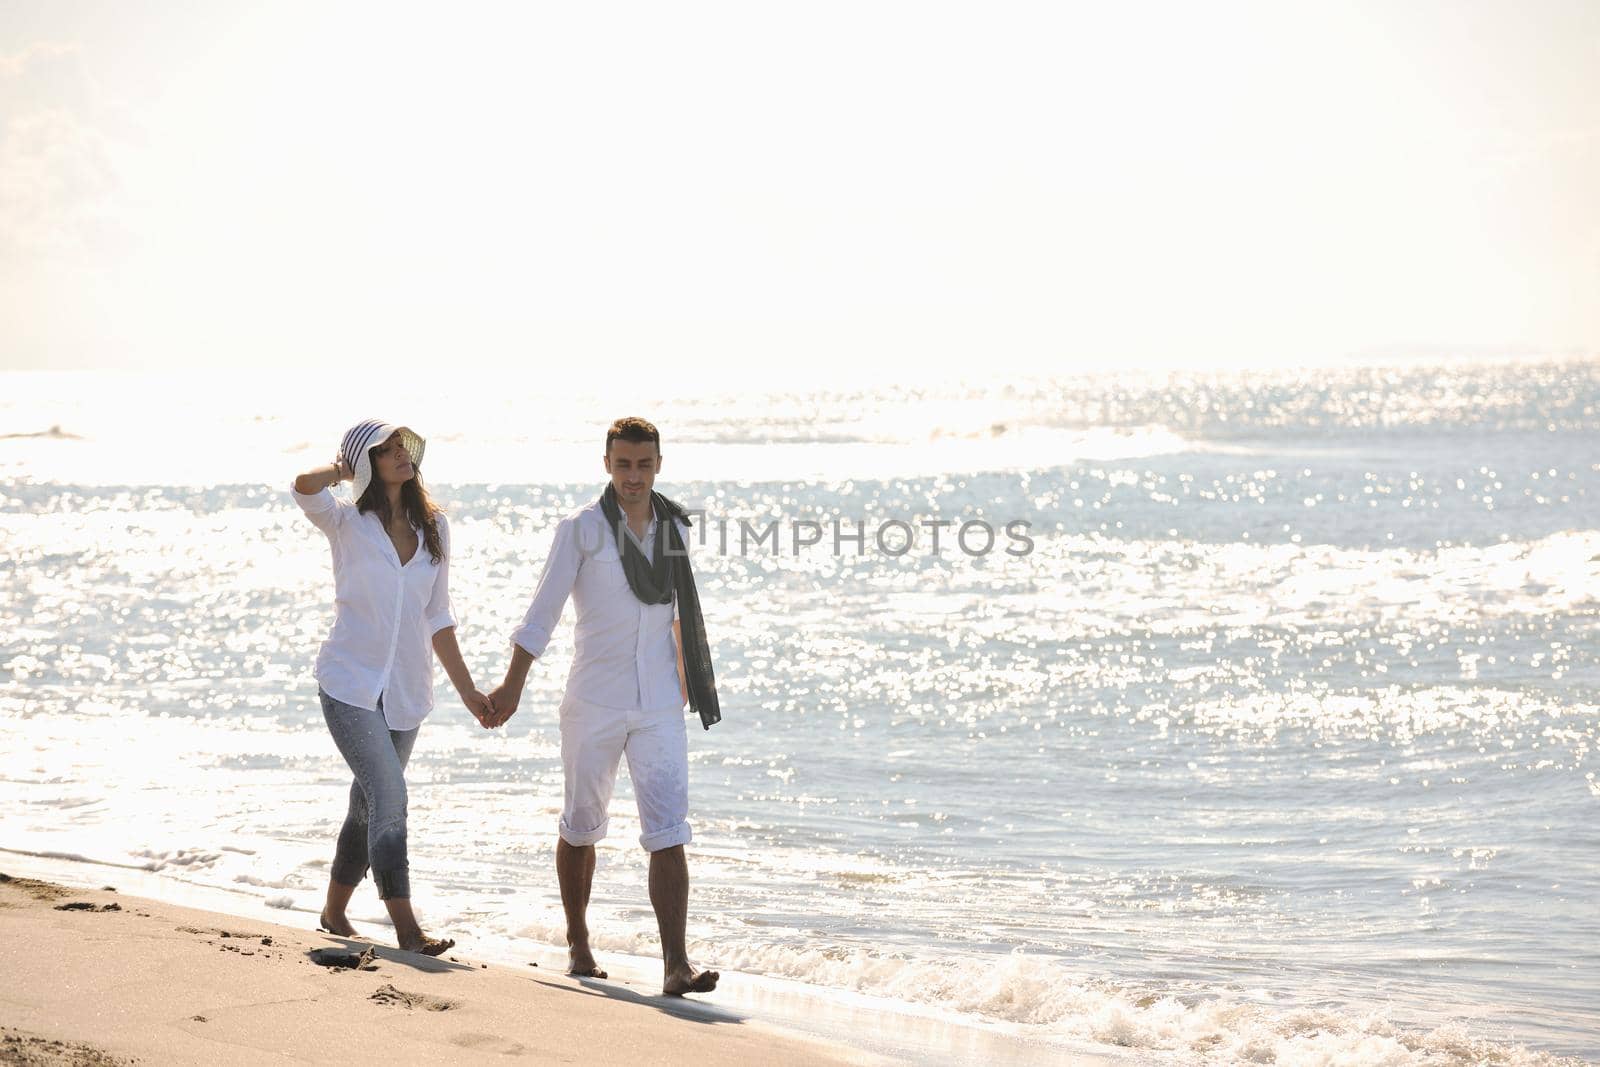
624,562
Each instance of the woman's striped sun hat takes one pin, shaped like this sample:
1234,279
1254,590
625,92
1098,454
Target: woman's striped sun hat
361,438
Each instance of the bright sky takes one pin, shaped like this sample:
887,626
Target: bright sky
782,191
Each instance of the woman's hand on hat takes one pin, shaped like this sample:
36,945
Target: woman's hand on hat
345,473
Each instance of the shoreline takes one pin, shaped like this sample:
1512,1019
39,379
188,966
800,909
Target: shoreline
149,965
101,977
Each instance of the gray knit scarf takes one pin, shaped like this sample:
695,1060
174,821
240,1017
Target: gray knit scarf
657,581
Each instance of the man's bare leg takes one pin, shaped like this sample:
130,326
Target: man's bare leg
669,895
333,917
575,872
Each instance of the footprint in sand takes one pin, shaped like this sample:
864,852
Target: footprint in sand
19,1046
336,960
36,889
488,1043
388,994
220,932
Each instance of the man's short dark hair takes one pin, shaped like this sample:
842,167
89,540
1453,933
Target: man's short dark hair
633,430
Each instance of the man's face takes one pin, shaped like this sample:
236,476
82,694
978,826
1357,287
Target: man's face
633,466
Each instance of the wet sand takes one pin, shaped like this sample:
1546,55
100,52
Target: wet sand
97,977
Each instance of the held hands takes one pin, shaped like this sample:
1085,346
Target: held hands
482,709
504,700
501,703
492,709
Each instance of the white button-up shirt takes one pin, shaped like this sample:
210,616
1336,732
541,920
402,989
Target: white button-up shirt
384,614
624,654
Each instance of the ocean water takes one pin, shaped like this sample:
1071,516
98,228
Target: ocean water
1265,730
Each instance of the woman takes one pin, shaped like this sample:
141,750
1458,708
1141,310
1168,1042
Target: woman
391,568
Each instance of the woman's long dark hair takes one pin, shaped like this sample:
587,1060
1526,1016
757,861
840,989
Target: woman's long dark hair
414,499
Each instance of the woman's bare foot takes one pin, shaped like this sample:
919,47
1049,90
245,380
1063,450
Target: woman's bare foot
336,924
409,934
580,962
686,979
428,946
333,918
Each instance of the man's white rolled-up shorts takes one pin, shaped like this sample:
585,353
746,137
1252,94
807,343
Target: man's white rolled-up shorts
593,740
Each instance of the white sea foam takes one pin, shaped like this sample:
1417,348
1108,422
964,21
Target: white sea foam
1043,994
288,881
184,858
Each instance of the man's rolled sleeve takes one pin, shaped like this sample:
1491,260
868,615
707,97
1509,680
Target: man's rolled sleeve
555,586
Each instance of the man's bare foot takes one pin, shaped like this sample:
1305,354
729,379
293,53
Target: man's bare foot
429,946
336,924
580,962
688,980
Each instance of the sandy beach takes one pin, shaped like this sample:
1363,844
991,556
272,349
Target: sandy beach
98,977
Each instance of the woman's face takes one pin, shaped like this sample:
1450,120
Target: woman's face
391,463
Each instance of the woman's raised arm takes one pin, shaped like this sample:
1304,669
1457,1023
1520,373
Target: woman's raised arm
319,478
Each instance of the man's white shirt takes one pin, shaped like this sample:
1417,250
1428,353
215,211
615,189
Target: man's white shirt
624,654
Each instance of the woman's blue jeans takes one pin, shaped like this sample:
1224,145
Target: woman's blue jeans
374,831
